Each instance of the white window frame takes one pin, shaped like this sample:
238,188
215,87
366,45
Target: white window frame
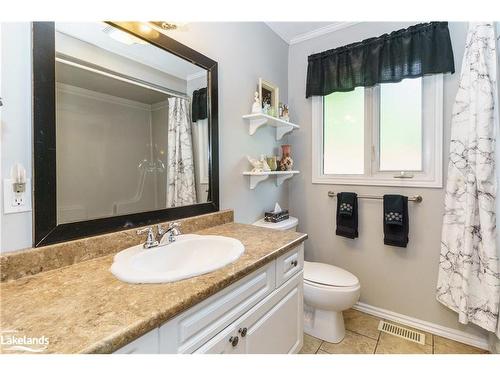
432,142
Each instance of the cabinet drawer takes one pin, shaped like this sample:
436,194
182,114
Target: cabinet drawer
197,325
289,264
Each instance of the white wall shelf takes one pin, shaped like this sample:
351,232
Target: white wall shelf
256,120
258,177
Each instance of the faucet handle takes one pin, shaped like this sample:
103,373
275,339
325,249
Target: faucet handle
160,229
174,228
144,230
174,225
150,240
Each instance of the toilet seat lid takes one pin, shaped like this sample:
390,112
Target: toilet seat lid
281,225
326,274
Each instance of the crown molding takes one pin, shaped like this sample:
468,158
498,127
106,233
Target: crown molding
321,31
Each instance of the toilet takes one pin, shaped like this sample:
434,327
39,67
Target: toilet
288,224
328,290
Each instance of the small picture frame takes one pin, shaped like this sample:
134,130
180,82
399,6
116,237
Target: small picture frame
269,97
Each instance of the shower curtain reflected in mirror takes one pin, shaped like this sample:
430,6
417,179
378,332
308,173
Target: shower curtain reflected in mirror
181,186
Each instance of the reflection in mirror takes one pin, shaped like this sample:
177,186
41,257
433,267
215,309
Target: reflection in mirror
131,125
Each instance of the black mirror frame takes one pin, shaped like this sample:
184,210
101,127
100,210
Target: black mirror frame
46,230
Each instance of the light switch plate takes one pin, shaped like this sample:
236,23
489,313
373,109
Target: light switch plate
14,203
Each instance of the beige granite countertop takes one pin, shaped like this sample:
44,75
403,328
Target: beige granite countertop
83,308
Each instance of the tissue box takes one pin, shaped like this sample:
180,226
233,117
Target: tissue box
275,217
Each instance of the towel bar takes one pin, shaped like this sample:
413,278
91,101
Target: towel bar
415,198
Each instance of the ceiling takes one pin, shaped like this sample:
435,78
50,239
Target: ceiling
88,80
147,54
295,32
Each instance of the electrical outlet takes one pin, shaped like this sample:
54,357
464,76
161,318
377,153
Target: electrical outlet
16,202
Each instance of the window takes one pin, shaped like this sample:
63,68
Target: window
388,135
344,133
401,126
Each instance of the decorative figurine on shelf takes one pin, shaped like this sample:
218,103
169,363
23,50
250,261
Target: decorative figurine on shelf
265,166
286,162
256,108
271,161
285,114
259,165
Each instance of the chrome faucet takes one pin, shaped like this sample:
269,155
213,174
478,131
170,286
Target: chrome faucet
172,230
150,240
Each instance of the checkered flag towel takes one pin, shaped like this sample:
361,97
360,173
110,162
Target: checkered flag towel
346,209
396,226
394,218
347,215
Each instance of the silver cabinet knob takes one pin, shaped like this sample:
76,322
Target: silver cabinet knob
243,332
234,340
294,263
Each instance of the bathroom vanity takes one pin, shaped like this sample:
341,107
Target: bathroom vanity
65,288
253,305
262,313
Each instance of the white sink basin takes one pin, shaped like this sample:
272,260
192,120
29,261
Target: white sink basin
190,255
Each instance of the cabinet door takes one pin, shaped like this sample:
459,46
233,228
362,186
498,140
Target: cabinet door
146,344
202,322
226,342
276,328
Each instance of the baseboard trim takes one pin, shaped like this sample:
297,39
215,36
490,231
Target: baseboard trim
436,329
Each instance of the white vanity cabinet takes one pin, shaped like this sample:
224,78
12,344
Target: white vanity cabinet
261,313
274,326
146,344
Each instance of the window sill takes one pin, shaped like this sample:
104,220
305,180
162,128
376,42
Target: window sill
363,181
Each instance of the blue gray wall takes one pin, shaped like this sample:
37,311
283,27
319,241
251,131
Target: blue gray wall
244,51
395,279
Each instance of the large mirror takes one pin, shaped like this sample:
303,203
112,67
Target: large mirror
133,117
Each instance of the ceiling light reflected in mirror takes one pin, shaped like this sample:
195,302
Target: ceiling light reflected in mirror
122,36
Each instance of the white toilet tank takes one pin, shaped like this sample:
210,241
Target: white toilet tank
288,224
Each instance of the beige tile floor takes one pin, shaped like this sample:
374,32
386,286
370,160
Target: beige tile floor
363,337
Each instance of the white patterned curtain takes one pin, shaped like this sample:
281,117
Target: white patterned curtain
495,341
469,279
181,187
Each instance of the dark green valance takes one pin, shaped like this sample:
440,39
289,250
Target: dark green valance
199,104
407,53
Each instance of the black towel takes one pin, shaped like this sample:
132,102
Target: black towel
396,220
199,105
347,215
